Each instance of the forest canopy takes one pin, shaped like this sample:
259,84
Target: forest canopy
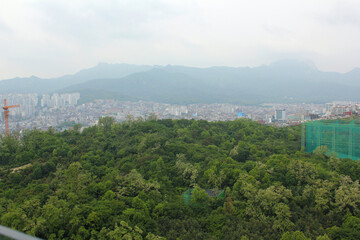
127,180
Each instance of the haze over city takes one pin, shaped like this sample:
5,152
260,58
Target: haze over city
180,119
54,38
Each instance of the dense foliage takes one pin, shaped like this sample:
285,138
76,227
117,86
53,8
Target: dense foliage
125,181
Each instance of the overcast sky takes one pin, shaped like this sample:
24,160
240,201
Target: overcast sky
49,38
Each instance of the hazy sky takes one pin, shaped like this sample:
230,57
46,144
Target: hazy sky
50,38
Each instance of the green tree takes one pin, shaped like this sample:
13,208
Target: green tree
294,236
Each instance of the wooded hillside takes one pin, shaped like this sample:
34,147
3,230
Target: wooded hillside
126,180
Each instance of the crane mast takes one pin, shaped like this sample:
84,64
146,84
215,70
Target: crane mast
6,116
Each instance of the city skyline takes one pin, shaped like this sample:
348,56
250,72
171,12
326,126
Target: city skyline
62,111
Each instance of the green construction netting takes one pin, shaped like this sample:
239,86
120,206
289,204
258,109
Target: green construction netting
340,136
219,194
187,196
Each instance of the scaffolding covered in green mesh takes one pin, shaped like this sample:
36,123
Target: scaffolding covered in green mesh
218,194
187,196
340,136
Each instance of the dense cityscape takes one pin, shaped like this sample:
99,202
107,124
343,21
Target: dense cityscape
62,111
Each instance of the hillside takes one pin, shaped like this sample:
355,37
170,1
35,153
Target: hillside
37,85
155,85
282,81
125,181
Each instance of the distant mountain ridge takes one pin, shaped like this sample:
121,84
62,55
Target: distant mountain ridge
282,81
37,85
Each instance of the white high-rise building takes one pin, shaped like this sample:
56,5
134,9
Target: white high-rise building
280,115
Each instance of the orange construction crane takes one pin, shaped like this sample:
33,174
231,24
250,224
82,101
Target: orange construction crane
6,116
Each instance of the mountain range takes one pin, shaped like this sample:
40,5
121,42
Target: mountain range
282,81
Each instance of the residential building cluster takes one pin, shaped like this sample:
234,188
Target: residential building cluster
34,106
342,109
59,100
27,102
61,111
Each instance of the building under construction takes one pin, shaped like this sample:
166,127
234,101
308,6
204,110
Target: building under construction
6,115
340,136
